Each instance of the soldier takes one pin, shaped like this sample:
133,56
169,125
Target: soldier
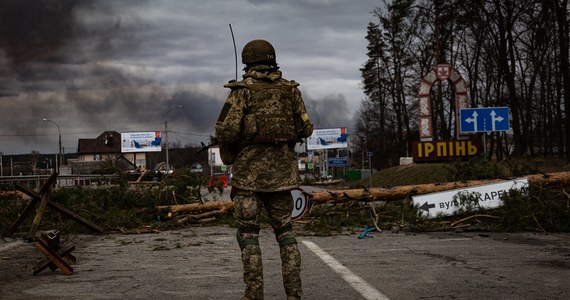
263,118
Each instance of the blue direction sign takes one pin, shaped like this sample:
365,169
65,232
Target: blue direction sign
338,162
484,119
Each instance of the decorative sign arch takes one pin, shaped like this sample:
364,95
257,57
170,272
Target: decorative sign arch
440,72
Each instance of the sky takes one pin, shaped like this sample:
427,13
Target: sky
90,66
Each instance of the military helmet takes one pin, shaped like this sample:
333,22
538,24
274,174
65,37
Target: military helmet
258,51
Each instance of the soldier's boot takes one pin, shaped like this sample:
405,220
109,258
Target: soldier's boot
290,261
252,262
252,272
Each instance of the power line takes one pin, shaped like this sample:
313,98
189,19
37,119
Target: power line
190,133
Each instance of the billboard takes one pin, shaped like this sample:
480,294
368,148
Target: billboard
214,158
140,142
332,138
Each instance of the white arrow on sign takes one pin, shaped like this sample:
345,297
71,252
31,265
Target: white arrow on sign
495,119
473,120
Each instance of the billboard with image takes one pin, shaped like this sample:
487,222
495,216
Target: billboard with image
149,141
331,138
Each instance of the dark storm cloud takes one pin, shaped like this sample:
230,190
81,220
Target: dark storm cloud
50,54
96,65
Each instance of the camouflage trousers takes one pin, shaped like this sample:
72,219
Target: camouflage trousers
248,208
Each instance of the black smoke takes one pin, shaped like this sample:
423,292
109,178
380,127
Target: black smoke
36,30
54,63
332,111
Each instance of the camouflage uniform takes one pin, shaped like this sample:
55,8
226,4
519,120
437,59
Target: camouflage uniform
264,171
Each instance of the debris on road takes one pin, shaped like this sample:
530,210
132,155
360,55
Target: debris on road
198,212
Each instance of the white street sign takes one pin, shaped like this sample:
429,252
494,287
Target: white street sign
300,203
448,203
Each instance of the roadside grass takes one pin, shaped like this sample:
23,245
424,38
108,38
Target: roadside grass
459,170
123,207
116,207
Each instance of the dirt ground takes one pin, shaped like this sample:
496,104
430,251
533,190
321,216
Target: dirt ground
170,264
203,263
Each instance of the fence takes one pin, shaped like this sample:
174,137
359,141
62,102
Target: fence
36,181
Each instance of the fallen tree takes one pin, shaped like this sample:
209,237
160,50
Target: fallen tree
197,212
402,192
195,207
201,212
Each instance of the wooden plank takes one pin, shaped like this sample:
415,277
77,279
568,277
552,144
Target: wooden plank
38,218
46,188
75,216
28,192
54,257
49,184
70,258
51,239
36,197
47,263
22,216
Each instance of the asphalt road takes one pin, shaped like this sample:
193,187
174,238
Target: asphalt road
203,263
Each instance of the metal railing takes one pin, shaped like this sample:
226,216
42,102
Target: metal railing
36,181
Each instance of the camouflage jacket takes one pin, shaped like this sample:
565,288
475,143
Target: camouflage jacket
261,167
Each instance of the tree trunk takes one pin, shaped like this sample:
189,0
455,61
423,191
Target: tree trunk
196,207
402,192
563,41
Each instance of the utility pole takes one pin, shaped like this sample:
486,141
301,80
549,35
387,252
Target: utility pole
60,162
166,135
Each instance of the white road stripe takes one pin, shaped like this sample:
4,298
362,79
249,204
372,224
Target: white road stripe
366,290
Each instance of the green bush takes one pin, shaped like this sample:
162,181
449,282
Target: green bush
186,185
329,219
111,207
535,209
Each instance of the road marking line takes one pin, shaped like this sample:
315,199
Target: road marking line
359,284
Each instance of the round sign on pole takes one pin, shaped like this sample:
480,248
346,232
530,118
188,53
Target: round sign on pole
300,203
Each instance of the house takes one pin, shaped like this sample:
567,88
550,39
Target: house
95,153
